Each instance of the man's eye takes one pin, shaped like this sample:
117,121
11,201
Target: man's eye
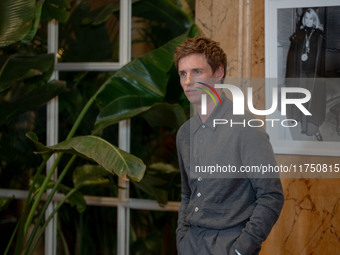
197,72
183,75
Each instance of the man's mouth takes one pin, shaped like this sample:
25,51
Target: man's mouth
191,91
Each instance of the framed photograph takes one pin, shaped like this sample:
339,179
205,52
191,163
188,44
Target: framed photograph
302,47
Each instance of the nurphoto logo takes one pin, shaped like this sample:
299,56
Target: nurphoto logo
239,103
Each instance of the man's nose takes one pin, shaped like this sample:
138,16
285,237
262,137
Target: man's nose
187,80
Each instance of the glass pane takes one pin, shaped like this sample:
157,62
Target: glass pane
91,34
153,232
92,232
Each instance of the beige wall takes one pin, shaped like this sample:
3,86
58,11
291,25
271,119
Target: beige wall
310,219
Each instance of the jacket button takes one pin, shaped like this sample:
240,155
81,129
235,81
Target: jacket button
196,209
199,179
199,194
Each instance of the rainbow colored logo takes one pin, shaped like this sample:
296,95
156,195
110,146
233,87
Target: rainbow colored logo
212,89
204,97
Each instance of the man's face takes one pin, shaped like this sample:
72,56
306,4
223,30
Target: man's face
191,69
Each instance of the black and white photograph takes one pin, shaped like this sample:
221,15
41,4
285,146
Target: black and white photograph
303,51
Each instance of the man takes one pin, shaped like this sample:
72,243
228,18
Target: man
230,212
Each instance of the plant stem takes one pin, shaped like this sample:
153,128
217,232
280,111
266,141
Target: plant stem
35,178
28,202
40,193
49,199
81,115
49,219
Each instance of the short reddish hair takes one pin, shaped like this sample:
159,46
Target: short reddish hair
210,49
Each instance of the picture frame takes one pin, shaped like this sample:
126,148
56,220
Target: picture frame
318,134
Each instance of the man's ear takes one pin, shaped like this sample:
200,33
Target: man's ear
219,73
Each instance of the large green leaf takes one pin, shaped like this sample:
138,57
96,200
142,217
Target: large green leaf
76,199
154,187
122,108
28,97
157,115
18,67
145,81
27,76
164,167
36,21
90,175
20,19
175,19
16,18
165,115
111,158
102,14
159,181
144,76
40,147
56,9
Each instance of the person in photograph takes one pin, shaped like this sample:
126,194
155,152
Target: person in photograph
305,61
228,214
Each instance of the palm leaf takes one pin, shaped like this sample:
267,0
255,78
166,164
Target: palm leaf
56,9
163,10
94,148
17,68
16,18
90,175
33,95
144,80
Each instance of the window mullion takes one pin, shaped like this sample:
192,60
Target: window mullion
52,139
123,212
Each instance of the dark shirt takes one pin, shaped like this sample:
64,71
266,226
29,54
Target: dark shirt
248,202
